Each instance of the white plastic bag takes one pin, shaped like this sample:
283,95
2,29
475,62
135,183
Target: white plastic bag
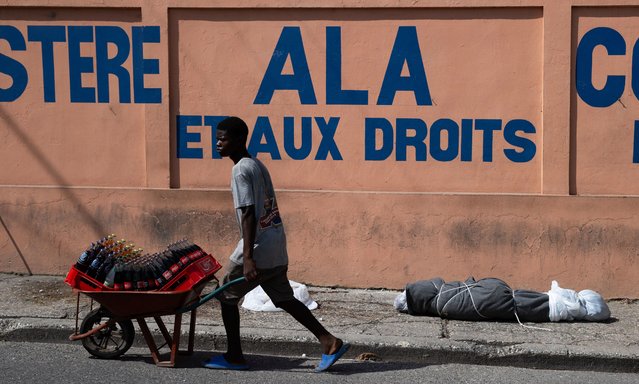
564,304
258,300
596,307
400,302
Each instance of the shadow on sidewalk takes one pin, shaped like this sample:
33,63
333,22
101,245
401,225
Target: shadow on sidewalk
281,363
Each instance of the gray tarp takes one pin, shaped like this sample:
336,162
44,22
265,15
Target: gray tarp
486,299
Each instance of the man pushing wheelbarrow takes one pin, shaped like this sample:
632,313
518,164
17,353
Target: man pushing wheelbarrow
261,254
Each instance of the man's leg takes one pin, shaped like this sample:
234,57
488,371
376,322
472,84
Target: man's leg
229,300
303,315
278,288
231,319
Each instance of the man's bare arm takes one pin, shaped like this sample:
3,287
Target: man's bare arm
249,225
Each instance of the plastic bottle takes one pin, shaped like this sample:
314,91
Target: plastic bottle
166,262
95,264
109,279
152,274
158,269
85,258
127,277
174,260
118,277
196,252
182,255
105,267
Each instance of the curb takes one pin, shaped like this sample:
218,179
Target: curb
535,356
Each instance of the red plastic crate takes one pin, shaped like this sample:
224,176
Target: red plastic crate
194,273
80,280
201,269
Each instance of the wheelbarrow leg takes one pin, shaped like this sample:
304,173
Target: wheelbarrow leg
192,331
149,340
175,345
190,348
172,342
169,340
165,332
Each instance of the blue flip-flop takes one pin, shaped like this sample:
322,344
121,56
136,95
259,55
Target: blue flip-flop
219,362
328,360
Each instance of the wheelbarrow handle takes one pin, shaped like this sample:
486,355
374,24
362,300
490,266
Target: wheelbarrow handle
211,295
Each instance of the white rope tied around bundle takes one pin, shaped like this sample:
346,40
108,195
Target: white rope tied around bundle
470,294
517,317
472,300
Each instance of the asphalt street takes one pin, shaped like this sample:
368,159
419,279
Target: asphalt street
68,363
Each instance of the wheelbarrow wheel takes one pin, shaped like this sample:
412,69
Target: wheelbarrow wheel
110,342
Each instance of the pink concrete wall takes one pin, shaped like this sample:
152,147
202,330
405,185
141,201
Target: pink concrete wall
557,201
381,240
480,64
60,142
604,136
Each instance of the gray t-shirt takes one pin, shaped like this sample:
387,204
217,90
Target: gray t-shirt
251,185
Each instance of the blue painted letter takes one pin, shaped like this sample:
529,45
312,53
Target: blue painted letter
635,144
11,67
80,64
405,50
614,87
304,150
371,125
327,145
105,66
635,69
334,92
184,137
263,129
452,134
488,126
142,66
416,141
213,121
289,44
467,140
528,148
47,35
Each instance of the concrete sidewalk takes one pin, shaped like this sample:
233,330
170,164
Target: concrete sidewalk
43,308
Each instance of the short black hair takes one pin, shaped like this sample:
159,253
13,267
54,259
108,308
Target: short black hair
234,127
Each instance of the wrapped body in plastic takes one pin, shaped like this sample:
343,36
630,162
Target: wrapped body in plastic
493,299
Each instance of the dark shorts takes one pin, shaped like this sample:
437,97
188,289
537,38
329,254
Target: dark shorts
274,281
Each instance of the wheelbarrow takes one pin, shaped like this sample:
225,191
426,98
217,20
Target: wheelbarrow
107,332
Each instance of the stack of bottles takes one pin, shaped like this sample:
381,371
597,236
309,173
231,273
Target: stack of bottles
122,266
